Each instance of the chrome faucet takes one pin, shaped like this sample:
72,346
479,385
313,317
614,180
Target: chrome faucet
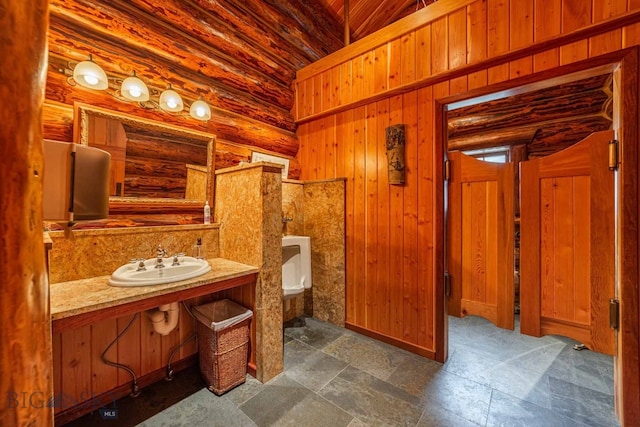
160,254
140,261
175,259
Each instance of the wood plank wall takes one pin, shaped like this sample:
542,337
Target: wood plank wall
231,53
81,378
345,101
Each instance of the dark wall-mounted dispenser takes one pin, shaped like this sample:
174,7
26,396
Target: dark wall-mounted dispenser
75,183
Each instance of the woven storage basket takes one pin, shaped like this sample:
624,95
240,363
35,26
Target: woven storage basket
223,354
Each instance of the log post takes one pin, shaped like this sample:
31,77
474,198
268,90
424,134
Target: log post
26,383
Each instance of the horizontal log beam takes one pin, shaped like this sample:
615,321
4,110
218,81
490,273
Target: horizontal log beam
130,46
305,31
70,43
493,139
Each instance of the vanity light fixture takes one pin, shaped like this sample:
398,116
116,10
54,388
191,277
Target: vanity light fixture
134,89
200,110
171,101
90,75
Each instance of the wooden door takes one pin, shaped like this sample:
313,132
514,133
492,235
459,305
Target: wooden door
480,249
567,238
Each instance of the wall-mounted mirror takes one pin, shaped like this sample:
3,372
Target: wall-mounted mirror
155,167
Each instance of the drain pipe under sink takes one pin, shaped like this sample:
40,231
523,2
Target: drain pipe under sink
165,318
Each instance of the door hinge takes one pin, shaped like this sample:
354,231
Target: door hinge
447,170
447,284
614,313
614,157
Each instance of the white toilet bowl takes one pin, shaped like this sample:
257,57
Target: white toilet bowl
296,265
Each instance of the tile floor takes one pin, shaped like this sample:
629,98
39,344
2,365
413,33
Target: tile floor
334,377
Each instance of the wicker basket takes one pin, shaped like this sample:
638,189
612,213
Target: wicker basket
223,352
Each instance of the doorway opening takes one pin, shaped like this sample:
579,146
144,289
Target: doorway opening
488,139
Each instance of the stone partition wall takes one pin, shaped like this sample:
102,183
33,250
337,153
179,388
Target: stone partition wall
80,254
248,208
324,222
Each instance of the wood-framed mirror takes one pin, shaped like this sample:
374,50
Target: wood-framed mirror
156,168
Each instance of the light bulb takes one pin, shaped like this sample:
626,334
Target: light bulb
200,112
90,79
135,91
172,103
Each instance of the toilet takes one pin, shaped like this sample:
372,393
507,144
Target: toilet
296,265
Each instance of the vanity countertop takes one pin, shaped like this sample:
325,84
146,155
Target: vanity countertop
92,295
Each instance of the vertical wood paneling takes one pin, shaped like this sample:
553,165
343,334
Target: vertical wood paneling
547,23
575,14
439,46
326,94
104,377
457,24
382,289
56,351
316,105
359,229
76,366
582,249
425,300
477,41
129,348
498,36
346,79
390,229
423,52
351,243
396,240
410,226
547,261
563,284
371,220
612,40
150,347
407,59
520,34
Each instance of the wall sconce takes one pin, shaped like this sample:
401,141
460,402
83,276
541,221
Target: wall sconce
395,142
134,89
171,101
90,75
200,110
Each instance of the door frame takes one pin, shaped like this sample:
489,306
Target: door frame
627,362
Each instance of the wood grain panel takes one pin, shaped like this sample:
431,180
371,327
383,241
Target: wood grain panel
557,33
575,14
410,223
477,41
395,327
547,23
520,34
385,283
550,218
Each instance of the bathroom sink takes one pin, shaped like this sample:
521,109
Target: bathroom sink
128,275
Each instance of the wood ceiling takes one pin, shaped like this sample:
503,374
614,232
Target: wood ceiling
369,16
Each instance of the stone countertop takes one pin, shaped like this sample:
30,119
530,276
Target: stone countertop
86,295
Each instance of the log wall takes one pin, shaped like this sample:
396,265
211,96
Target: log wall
233,54
398,75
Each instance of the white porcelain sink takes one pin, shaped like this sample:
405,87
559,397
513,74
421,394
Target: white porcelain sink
128,275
